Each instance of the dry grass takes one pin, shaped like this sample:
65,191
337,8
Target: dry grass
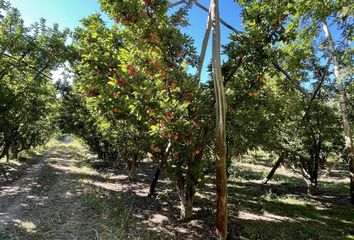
73,200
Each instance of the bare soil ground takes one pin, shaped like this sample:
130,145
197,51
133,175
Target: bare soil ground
48,202
61,196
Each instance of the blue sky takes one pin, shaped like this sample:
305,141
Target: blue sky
67,13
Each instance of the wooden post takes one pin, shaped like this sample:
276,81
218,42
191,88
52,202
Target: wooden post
204,47
220,143
343,109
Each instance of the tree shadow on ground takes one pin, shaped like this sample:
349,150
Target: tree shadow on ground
279,212
158,216
257,211
11,171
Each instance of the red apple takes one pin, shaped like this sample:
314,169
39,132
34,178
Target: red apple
164,73
156,149
130,67
120,81
132,72
153,36
169,116
173,84
116,110
156,64
261,78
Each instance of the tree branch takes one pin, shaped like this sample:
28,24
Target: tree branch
323,77
221,20
287,75
176,3
40,72
204,47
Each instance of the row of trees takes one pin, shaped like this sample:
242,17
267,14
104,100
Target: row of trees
27,97
140,100
302,122
279,79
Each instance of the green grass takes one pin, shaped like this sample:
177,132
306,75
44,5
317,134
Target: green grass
114,218
282,210
334,186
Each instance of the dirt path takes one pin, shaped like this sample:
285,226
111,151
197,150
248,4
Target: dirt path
13,197
46,202
57,198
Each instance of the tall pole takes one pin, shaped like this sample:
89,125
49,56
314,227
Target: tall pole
349,150
204,46
220,143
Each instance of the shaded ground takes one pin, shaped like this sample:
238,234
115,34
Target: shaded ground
283,210
12,170
62,197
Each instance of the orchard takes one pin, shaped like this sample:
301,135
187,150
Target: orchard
272,121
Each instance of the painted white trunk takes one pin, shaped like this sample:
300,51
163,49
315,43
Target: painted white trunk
186,205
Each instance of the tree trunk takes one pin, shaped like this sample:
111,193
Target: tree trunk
312,183
255,154
185,193
158,170
351,169
311,188
275,167
5,152
15,153
323,160
186,204
229,157
100,154
154,182
132,167
314,174
349,150
331,167
3,172
220,143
